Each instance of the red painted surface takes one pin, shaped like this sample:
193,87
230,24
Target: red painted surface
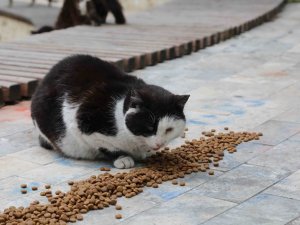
17,112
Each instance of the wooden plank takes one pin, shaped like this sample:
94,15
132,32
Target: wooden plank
1,98
175,29
28,85
11,91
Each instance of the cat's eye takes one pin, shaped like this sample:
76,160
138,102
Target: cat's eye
169,130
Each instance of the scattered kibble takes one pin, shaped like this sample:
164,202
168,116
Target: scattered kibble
118,207
34,188
23,185
155,185
216,164
47,186
103,190
118,216
211,172
105,169
226,128
24,191
79,217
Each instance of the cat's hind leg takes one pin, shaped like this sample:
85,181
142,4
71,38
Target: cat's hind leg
116,9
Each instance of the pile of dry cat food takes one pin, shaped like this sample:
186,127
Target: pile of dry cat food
103,190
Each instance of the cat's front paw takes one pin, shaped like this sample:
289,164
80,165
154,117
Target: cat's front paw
124,162
146,154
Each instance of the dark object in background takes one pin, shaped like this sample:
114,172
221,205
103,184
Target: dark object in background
94,12
70,15
43,29
32,3
103,7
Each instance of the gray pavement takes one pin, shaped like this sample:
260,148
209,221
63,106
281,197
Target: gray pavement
39,14
251,82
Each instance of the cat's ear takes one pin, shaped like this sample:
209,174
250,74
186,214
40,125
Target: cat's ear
135,99
181,100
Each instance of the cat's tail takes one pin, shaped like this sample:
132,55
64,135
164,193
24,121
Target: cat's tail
43,29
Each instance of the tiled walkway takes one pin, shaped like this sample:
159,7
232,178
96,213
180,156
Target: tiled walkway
248,83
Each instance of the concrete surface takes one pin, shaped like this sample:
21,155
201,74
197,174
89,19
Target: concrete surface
251,82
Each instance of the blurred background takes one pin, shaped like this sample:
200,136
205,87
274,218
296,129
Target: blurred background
18,20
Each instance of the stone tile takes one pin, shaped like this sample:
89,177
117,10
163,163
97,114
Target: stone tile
296,137
37,155
241,183
296,49
18,142
10,187
262,209
187,209
168,191
292,115
60,170
245,152
285,156
12,127
15,118
271,129
294,222
18,202
11,166
287,97
288,187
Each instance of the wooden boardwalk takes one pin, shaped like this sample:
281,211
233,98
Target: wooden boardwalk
163,33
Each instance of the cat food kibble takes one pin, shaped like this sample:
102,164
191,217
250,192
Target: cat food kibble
118,216
226,128
118,207
79,217
155,185
34,188
23,185
175,182
103,190
105,169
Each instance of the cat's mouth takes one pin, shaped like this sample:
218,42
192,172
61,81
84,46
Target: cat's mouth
157,148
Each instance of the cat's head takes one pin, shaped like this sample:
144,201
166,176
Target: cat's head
155,116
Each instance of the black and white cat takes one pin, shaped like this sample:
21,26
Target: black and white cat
88,109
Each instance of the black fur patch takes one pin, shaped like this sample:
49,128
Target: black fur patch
96,86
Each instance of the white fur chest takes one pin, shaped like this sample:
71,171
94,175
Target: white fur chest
79,145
